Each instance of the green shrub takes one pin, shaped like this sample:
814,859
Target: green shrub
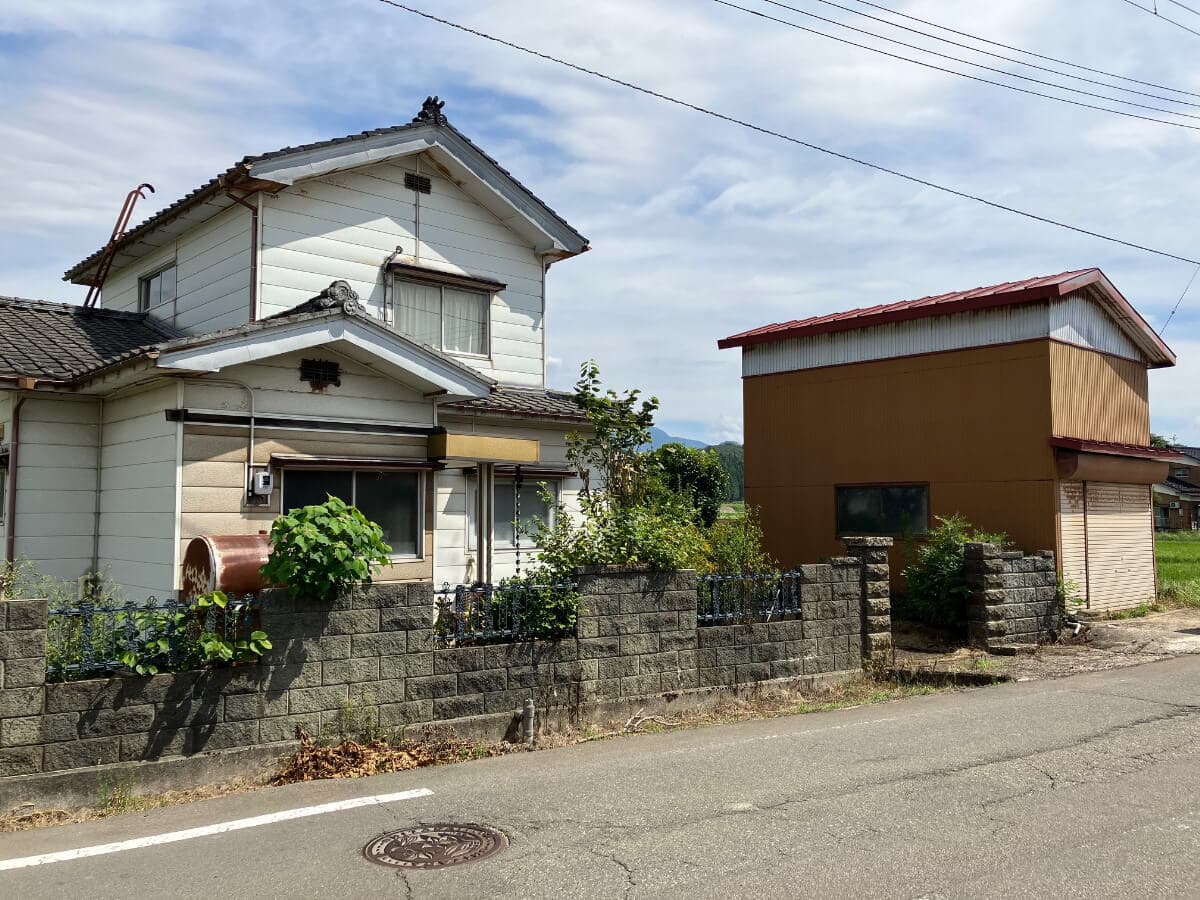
695,476
321,551
735,545
937,587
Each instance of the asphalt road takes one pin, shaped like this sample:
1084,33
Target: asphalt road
1080,787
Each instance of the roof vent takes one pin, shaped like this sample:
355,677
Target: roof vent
320,373
418,183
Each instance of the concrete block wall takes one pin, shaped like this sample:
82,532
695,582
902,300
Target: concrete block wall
1013,598
374,654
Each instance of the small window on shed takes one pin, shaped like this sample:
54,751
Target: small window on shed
885,509
1182,473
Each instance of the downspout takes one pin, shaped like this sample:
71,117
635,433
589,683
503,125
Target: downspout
254,241
99,475
14,448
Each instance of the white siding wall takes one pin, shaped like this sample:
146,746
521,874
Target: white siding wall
278,391
345,225
454,562
56,485
138,491
1075,319
213,263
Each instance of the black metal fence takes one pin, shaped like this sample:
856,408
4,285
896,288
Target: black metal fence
759,597
87,639
510,611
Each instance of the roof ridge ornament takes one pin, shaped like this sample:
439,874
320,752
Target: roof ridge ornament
431,112
339,293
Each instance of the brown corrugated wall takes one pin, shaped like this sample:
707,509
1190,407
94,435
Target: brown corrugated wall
1098,397
972,423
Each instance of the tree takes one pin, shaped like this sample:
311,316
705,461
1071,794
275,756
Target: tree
1161,443
732,457
694,475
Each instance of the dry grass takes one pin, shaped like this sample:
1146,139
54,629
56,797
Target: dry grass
353,759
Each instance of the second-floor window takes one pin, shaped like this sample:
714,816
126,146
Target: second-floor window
158,290
1182,473
444,317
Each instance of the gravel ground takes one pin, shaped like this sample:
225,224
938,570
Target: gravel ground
1100,646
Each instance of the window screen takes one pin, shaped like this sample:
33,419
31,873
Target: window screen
883,509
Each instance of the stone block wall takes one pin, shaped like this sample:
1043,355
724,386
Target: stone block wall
1013,597
374,655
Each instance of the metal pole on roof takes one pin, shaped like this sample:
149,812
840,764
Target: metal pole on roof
110,249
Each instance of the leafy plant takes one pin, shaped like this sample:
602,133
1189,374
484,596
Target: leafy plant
937,586
153,652
695,475
735,545
320,551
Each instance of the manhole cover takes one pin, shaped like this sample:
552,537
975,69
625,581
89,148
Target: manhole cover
435,846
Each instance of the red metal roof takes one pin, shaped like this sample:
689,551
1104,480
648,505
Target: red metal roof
1008,293
1113,448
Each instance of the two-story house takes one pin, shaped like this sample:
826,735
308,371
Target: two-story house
363,316
1177,498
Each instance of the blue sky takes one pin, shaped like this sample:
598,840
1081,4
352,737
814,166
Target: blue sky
699,228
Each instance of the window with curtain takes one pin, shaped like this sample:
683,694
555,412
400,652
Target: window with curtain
390,498
445,317
533,506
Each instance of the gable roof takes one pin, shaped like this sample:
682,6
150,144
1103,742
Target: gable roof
275,170
1007,293
61,342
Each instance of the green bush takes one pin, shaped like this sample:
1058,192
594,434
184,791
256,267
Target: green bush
937,586
695,476
735,545
321,551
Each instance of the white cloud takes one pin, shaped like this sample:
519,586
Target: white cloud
700,228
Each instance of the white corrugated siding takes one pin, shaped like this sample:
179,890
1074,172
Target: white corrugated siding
1080,320
1120,534
1072,536
1075,319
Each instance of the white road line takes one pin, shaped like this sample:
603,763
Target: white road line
220,828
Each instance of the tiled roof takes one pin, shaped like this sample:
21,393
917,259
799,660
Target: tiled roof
1007,293
62,341
1115,448
1181,487
1193,452
213,185
510,401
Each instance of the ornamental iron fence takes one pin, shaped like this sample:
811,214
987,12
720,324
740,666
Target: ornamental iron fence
510,611
756,597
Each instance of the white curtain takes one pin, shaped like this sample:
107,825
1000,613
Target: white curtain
464,321
419,312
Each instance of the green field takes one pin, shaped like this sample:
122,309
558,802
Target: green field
734,510
1179,568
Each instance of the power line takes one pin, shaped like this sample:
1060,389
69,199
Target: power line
1019,62
1191,9
781,136
1179,302
1011,87
1158,15
1053,59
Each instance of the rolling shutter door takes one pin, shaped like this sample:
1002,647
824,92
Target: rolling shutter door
1072,536
1120,545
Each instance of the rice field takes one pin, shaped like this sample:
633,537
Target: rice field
1178,568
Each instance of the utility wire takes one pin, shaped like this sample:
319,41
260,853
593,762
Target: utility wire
1158,15
1179,302
1191,9
781,136
1043,56
1019,62
1011,87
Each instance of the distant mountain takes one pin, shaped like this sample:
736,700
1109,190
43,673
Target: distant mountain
658,437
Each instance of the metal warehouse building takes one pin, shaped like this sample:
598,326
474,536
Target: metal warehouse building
1022,406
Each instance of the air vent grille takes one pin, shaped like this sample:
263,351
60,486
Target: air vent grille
418,183
320,373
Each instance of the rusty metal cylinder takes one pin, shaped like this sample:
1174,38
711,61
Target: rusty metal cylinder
225,562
